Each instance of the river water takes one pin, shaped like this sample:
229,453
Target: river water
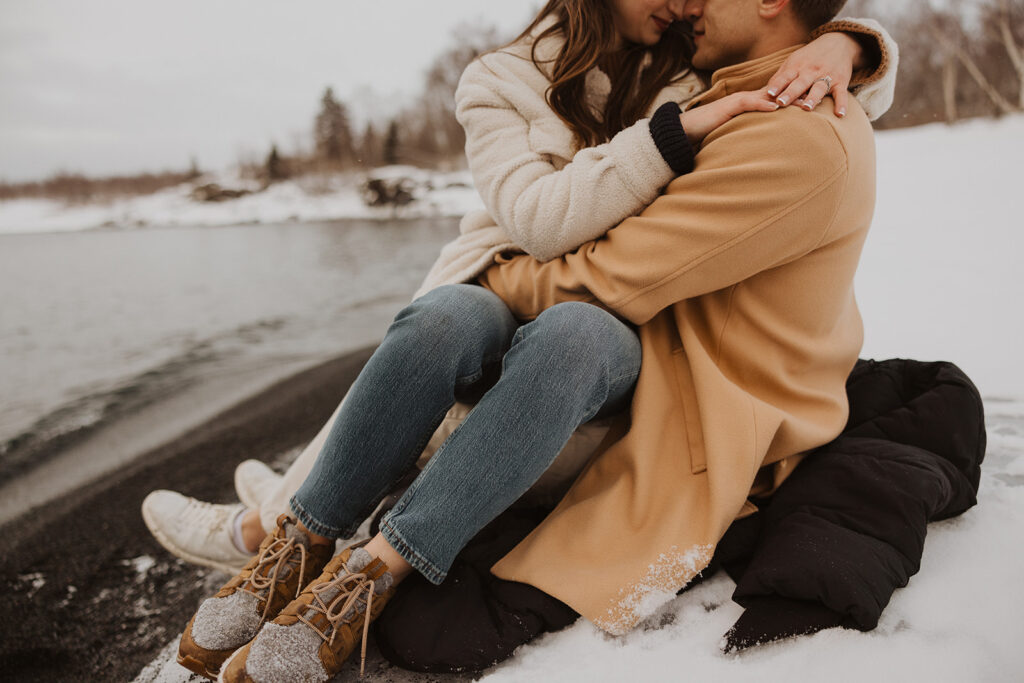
97,325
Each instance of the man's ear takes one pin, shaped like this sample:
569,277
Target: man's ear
770,9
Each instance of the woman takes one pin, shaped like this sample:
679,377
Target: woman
573,363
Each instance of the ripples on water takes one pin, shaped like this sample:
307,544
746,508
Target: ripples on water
98,324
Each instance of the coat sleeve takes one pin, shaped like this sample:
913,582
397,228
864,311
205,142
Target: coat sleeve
548,211
764,192
874,88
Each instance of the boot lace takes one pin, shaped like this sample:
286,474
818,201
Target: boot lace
356,590
270,563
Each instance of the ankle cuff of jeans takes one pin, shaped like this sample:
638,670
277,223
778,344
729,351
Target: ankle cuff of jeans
316,526
421,564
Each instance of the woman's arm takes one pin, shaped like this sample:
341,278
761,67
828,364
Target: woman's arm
874,86
512,149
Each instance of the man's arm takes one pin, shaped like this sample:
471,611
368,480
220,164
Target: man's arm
764,192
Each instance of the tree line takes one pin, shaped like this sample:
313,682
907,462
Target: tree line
78,187
959,59
424,133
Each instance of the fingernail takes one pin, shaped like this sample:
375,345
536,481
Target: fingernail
842,112
773,91
783,101
808,106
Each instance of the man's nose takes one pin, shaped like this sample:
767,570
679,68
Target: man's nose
692,9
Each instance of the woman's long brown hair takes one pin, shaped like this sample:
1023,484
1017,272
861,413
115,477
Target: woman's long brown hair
589,39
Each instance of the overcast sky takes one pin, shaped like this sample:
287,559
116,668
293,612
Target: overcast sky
127,85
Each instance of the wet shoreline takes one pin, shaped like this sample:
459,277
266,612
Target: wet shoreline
56,467
91,595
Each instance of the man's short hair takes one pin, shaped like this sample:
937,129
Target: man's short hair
814,13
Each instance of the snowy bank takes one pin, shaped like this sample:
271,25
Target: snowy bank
311,198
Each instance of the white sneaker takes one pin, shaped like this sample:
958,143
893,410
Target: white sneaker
197,532
254,482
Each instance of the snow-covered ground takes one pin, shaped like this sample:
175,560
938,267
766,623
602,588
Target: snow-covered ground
312,198
958,620
940,280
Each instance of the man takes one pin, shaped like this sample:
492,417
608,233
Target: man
740,280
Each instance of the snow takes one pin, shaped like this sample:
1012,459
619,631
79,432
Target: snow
313,198
141,564
32,581
939,280
649,594
940,275
958,619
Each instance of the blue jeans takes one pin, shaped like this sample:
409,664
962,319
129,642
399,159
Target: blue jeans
573,363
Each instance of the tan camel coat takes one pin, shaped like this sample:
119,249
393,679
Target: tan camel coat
544,155
740,278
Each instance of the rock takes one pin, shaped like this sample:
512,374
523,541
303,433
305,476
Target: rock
212,192
387,191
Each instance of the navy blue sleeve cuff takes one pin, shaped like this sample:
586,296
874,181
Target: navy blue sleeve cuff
670,138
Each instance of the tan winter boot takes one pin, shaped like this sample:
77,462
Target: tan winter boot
286,562
311,639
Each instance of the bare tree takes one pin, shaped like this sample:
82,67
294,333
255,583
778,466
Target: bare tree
949,88
977,57
430,134
958,59
1007,20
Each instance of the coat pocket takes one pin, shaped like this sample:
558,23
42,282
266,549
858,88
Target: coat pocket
691,412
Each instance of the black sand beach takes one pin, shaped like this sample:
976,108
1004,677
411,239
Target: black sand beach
90,594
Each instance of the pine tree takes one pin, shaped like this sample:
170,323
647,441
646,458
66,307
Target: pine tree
391,144
275,166
369,153
332,131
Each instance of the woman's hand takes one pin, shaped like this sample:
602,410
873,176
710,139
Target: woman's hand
801,78
700,121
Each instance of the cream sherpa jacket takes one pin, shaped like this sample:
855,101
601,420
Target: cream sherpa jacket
543,194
